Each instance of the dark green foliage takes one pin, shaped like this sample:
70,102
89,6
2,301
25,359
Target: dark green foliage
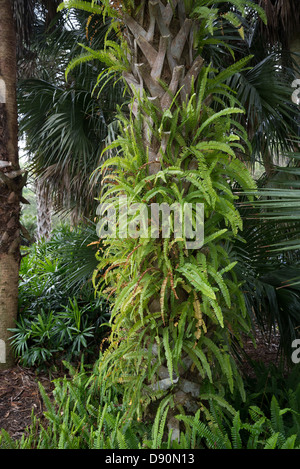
257,431
66,122
264,89
268,256
58,312
78,419
268,382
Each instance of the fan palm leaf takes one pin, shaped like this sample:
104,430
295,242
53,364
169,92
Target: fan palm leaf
263,88
66,123
269,257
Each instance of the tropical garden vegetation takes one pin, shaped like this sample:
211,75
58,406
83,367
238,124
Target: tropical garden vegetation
152,102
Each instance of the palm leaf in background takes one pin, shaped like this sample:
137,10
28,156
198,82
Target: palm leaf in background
264,87
66,123
271,122
269,259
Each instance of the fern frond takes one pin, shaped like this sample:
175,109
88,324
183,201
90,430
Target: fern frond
168,352
197,279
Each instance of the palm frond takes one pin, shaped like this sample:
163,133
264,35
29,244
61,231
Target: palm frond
66,123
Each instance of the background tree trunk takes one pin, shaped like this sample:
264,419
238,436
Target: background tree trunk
160,37
295,48
44,205
11,181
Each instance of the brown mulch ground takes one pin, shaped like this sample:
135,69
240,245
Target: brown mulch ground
20,396
266,350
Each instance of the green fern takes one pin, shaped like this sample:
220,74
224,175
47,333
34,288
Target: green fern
182,300
158,429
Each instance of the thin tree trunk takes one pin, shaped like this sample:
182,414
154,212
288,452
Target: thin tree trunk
294,47
11,181
44,219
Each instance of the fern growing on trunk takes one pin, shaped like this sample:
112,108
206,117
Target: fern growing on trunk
176,311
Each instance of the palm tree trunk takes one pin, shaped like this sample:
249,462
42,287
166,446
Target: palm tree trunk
160,37
11,181
160,321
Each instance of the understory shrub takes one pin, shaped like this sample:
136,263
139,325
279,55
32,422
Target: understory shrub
268,381
59,315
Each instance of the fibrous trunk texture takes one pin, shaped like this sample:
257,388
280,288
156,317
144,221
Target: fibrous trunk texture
163,64
164,61
44,218
11,181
